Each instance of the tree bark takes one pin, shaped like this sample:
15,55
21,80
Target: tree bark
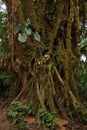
45,69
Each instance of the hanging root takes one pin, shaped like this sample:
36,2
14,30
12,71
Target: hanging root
58,76
74,100
40,97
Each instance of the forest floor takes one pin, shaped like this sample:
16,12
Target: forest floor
5,124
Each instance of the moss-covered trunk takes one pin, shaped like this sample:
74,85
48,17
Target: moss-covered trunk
45,69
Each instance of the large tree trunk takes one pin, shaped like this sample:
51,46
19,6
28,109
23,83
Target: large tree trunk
45,70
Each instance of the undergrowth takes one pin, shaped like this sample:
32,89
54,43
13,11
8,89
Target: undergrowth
18,111
80,112
48,119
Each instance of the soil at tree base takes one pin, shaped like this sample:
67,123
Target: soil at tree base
6,125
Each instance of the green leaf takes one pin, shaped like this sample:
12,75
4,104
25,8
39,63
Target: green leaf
29,31
83,42
55,1
37,36
16,29
12,113
22,37
23,27
28,22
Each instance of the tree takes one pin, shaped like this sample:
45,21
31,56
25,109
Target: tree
44,37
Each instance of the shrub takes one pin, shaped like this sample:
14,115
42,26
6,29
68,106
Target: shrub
48,119
17,112
81,78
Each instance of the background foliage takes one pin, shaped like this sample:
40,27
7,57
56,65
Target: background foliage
5,76
3,33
